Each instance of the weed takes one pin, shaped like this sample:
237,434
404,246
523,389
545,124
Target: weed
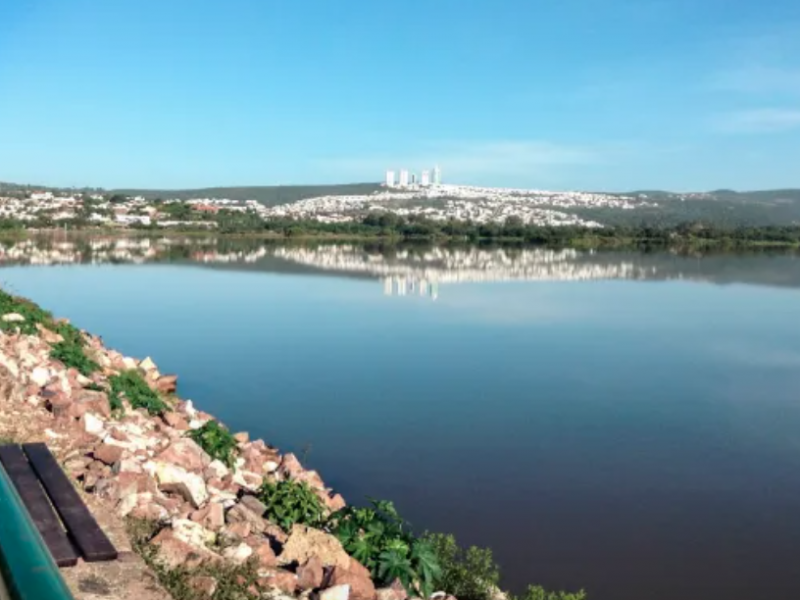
289,502
31,312
132,385
73,355
377,537
216,440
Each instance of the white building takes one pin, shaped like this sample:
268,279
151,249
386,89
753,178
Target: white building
389,178
404,178
437,175
425,178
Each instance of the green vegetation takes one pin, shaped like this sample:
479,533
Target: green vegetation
132,386
379,539
73,355
289,502
535,592
32,314
216,440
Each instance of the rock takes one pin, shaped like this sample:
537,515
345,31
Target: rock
176,421
238,554
339,592
147,365
310,574
254,504
357,576
192,533
241,514
129,364
96,402
212,517
186,454
51,337
13,318
279,580
242,437
108,454
249,481
174,479
167,384
60,406
40,376
334,502
396,591
263,553
216,470
174,553
290,466
306,542
204,586
235,532
93,425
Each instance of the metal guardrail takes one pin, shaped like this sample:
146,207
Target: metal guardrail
26,566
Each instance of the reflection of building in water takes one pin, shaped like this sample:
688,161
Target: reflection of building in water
410,286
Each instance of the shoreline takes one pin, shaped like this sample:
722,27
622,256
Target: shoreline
201,504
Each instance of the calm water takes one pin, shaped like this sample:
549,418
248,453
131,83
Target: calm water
625,423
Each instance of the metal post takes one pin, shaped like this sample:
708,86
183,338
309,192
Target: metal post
25,562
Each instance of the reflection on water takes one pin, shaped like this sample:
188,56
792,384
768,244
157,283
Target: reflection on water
412,270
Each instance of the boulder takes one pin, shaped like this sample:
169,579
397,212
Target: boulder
216,470
235,532
290,466
310,574
212,517
93,425
306,542
108,454
167,384
278,579
147,365
241,514
338,592
357,576
179,481
192,533
239,554
186,454
40,376
13,318
254,504
176,421
60,405
242,437
263,552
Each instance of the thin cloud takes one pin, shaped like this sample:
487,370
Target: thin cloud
760,120
758,79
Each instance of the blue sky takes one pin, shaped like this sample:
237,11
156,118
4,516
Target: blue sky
614,95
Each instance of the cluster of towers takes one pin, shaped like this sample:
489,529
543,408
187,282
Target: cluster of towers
406,178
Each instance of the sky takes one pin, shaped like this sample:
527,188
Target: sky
550,94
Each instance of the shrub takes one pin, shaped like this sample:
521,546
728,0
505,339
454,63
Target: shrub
377,537
216,440
289,502
32,313
138,393
472,574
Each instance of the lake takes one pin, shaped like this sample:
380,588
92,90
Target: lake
624,422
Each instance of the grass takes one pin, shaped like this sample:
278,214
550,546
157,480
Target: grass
132,386
232,581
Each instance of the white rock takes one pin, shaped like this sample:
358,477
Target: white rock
193,533
189,408
217,469
52,434
129,363
93,425
238,554
40,376
176,480
147,365
129,502
270,466
13,318
337,592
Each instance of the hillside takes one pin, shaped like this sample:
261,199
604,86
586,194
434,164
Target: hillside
267,195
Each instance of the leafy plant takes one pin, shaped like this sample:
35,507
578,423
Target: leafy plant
134,388
379,539
289,502
32,314
216,440
535,592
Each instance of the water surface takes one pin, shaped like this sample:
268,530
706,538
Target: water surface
623,422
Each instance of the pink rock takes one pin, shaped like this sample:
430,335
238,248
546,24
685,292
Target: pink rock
186,454
357,576
204,586
395,591
167,384
310,574
242,437
176,421
212,517
291,466
279,579
108,454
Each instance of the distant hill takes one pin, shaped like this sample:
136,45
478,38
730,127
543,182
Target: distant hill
267,195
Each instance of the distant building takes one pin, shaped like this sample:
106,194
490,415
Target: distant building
389,178
403,178
437,175
413,179
425,179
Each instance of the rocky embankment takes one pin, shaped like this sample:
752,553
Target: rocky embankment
138,465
